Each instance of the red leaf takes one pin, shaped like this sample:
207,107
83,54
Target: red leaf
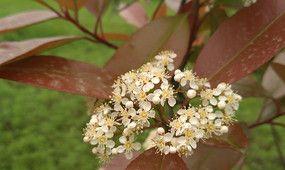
211,157
271,81
161,11
116,36
11,51
244,42
219,153
119,162
235,138
24,19
150,160
169,33
134,14
72,4
59,74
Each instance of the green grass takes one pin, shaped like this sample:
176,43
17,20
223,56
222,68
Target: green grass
42,129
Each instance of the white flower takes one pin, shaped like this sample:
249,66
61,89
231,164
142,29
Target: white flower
140,95
128,146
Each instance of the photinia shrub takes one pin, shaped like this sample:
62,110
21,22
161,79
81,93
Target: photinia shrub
180,77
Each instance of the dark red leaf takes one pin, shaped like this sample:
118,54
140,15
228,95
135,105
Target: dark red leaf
119,162
12,51
221,153
169,33
150,160
244,42
24,19
59,74
71,4
161,11
116,36
235,138
208,157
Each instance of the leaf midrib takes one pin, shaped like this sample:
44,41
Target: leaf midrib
247,45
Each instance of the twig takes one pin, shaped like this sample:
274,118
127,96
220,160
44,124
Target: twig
275,136
268,121
194,16
278,124
67,17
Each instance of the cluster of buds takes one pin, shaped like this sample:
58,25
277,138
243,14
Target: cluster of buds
184,109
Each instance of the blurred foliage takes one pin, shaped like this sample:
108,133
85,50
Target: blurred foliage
42,129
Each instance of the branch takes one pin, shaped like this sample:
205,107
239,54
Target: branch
194,26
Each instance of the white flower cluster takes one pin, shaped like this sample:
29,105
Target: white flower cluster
247,3
140,101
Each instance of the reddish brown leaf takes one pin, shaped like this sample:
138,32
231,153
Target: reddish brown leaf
235,138
249,87
271,81
219,153
116,36
244,42
59,74
150,160
24,19
72,4
134,14
11,51
208,157
169,33
161,11
119,162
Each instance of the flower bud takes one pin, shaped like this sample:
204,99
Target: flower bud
129,104
172,149
221,104
224,129
86,139
191,93
160,131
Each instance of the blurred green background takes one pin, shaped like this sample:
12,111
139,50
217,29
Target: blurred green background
42,129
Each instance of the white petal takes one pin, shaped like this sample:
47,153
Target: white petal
121,149
123,139
110,144
129,155
213,101
172,149
136,146
168,137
